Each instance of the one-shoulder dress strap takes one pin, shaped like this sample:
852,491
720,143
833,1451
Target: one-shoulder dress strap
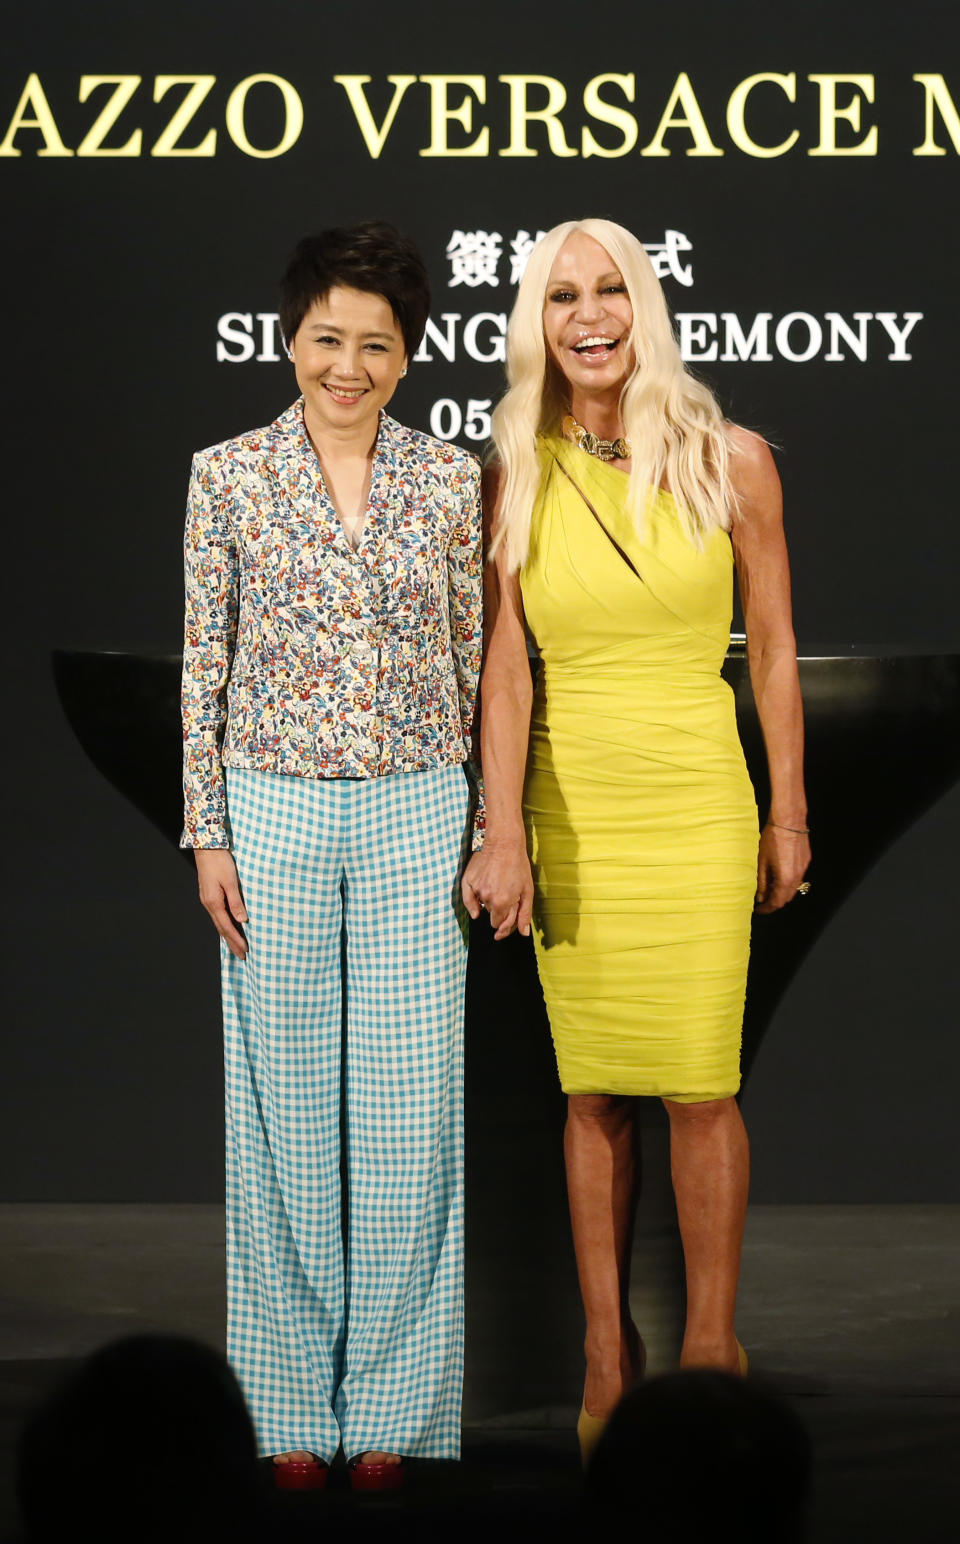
604,528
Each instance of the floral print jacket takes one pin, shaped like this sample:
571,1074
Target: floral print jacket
304,656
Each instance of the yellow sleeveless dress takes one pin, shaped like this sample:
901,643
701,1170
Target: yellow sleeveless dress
641,817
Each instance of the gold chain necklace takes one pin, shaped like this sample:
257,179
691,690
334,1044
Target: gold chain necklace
604,450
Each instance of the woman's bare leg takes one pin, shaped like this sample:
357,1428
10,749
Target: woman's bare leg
710,1164
600,1151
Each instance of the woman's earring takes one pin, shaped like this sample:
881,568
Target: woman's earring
289,353
403,372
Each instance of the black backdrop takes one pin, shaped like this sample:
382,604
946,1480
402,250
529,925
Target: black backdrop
121,272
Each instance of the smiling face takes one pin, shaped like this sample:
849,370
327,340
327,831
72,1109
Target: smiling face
587,318
347,353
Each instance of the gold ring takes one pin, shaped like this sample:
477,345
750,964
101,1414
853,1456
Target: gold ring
804,889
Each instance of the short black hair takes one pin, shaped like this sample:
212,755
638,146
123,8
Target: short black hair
372,256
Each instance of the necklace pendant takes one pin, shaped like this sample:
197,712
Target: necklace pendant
604,450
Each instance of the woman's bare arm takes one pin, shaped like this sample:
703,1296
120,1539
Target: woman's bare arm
498,876
764,575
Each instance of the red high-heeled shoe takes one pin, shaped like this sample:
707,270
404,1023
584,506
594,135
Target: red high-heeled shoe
375,1476
301,1474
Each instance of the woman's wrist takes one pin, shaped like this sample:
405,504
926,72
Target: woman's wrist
505,834
787,812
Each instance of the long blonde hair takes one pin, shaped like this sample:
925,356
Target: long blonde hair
673,422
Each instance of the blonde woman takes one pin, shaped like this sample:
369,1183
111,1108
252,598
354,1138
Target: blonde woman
620,817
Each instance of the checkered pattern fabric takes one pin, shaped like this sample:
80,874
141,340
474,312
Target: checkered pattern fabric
362,1343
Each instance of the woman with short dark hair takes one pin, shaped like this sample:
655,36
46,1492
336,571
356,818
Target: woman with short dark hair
331,656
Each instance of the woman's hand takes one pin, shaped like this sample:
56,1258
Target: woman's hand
498,879
220,894
783,860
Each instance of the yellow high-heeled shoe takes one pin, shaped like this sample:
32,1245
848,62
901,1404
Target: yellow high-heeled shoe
590,1427
589,1431
743,1363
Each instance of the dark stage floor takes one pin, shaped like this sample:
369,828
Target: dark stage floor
850,1312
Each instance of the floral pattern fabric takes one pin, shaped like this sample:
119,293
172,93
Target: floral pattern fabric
304,656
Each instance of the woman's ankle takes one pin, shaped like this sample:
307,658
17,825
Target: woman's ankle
716,1349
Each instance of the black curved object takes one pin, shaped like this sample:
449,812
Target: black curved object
883,744
125,711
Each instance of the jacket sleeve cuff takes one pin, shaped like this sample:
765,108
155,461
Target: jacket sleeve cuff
202,835
479,824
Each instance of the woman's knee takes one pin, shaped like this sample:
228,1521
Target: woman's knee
599,1107
704,1112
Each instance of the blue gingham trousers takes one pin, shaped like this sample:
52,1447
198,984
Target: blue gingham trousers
347,1333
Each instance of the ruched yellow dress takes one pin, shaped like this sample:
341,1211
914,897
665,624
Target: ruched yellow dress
641,817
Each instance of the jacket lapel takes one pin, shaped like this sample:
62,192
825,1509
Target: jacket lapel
290,462
386,497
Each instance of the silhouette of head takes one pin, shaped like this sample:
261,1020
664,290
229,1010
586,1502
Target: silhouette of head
695,1453
148,1439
